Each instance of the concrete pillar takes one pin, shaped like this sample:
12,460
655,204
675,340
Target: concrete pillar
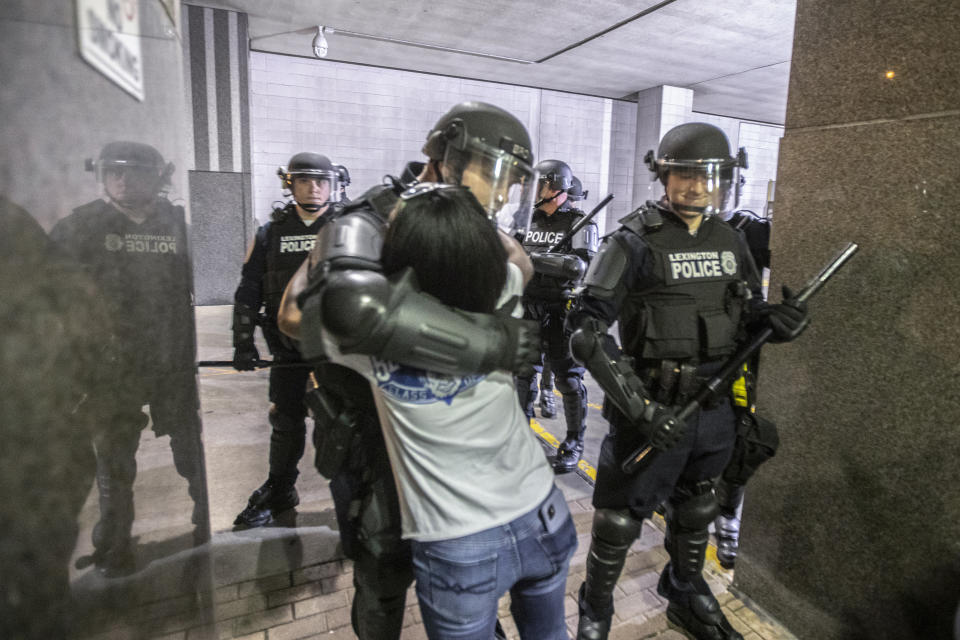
658,110
852,530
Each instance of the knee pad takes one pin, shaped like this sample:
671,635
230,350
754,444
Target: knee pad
615,527
284,422
693,508
568,382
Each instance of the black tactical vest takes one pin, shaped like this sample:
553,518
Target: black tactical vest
692,308
289,240
545,231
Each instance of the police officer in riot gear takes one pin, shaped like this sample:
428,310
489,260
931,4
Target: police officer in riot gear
547,298
277,251
751,448
474,144
133,244
685,291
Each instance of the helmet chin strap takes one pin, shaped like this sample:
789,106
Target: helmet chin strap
689,208
544,201
311,207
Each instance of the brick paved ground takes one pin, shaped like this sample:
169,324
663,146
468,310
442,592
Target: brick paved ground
291,581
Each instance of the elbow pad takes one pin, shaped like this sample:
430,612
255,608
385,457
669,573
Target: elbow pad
615,376
558,265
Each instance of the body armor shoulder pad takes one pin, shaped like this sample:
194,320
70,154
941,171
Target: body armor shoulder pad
353,240
91,208
743,218
607,268
644,219
380,199
280,214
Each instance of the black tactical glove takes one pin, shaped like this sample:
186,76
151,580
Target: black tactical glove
662,427
787,319
245,355
520,340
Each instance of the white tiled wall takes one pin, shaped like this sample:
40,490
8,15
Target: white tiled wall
375,120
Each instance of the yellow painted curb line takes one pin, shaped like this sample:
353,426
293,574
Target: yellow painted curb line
551,440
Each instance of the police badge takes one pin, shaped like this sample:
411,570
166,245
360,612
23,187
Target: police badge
728,262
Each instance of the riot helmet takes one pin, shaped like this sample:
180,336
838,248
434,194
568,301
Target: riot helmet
694,164
487,149
576,193
343,174
320,171
132,173
555,174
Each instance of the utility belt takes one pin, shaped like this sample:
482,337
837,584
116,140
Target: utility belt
675,382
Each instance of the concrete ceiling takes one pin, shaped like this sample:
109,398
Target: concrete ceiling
734,54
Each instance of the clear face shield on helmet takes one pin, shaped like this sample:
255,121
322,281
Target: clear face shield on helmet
503,184
312,189
704,187
129,183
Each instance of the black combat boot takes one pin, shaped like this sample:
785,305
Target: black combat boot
272,498
568,454
693,607
727,523
575,412
593,625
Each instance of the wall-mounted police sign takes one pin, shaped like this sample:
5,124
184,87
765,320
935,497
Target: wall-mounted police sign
108,33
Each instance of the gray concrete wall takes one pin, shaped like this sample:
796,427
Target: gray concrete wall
375,120
852,530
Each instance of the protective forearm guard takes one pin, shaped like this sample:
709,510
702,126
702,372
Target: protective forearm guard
615,376
364,312
244,324
559,265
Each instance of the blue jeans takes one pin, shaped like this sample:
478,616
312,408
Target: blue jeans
460,580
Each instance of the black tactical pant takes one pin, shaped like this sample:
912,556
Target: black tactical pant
174,409
677,476
568,375
368,514
287,416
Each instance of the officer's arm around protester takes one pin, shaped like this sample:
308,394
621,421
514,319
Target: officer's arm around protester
342,283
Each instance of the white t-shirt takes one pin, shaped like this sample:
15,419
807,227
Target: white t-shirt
462,452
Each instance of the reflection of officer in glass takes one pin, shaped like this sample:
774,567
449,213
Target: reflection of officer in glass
50,362
134,245
548,295
685,291
274,256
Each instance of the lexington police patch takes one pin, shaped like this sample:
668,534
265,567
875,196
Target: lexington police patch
416,386
700,265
